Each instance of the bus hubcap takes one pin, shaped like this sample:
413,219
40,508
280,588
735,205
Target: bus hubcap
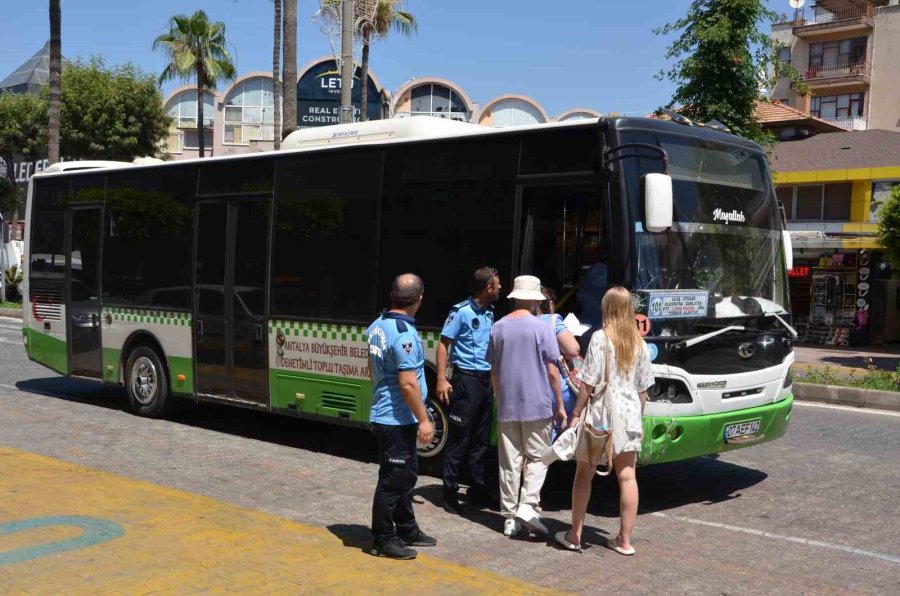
440,431
143,380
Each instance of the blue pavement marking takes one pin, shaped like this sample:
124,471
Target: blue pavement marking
96,531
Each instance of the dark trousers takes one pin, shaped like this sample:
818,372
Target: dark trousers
471,411
392,508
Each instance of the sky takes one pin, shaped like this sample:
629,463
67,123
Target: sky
599,54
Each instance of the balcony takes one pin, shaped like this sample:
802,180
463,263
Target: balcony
840,18
849,123
835,75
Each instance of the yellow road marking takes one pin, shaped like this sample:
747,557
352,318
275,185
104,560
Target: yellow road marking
178,542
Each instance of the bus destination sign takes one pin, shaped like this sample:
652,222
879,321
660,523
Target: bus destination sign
677,304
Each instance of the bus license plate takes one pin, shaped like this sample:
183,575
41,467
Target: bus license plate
733,432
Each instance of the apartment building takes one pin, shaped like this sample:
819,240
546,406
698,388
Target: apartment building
846,52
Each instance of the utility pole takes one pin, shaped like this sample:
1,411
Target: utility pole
346,61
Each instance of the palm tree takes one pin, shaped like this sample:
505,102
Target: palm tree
196,48
55,80
290,67
389,15
276,78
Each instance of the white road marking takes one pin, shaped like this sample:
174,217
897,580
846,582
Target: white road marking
764,534
869,410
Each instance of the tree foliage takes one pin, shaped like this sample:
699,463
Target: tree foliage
23,132
888,228
723,61
390,15
196,49
110,112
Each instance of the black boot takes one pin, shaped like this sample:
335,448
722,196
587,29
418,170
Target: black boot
418,538
478,497
451,503
393,548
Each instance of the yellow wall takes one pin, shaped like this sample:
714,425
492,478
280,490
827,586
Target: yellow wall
861,178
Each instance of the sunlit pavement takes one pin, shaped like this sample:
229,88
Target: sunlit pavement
814,512
66,528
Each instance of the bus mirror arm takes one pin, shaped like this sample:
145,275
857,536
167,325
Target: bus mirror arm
199,327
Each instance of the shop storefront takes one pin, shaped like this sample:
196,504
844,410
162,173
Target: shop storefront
839,298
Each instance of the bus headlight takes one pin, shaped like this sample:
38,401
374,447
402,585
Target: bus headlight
669,390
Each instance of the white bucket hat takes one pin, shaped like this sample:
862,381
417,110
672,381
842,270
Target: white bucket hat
526,287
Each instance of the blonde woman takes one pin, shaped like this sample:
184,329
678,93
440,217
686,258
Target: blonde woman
630,377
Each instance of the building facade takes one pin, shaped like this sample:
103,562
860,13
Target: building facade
240,117
846,52
832,186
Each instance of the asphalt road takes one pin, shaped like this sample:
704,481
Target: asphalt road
816,512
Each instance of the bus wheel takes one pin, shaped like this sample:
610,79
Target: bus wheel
437,415
146,383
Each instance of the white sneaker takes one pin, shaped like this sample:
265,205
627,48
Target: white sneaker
511,527
530,519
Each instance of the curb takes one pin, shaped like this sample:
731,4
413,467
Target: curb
848,396
15,313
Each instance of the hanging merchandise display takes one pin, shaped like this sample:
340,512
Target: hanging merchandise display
832,311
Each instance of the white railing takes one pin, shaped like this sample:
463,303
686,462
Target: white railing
849,123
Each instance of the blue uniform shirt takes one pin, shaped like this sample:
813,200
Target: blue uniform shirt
469,328
394,346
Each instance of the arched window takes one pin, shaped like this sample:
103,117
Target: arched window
183,110
577,116
515,112
250,112
437,100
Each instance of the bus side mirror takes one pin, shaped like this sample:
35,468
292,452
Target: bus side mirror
788,250
658,202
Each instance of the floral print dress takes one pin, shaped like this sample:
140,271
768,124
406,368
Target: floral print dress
623,390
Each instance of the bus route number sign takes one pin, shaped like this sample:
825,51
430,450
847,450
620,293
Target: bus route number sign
643,324
675,304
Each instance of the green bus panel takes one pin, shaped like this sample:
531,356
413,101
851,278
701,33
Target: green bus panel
48,350
679,438
323,396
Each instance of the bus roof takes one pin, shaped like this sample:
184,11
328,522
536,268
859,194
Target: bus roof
421,128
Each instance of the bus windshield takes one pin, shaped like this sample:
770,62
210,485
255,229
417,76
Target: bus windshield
723,256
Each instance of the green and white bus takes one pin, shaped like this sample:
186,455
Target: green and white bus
250,279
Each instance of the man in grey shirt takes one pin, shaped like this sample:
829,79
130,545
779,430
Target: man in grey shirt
523,353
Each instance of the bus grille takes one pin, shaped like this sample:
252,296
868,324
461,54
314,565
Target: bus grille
336,401
47,305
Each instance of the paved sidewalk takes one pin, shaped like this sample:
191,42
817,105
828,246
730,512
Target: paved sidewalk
66,528
845,359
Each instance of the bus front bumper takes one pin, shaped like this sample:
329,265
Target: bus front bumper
668,439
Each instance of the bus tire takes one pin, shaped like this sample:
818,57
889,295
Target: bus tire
431,456
147,384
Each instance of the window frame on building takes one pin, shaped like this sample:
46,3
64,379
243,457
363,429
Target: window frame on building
265,127
792,207
817,53
857,100
453,98
179,139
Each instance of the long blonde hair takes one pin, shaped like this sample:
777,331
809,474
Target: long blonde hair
619,325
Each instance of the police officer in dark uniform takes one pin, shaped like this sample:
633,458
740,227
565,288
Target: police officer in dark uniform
399,420
464,342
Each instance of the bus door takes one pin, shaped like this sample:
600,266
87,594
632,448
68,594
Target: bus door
85,225
563,240
230,298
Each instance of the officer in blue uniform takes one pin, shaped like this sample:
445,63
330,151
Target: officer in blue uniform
397,371
464,342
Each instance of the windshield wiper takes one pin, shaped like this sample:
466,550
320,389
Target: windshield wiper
790,329
701,338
